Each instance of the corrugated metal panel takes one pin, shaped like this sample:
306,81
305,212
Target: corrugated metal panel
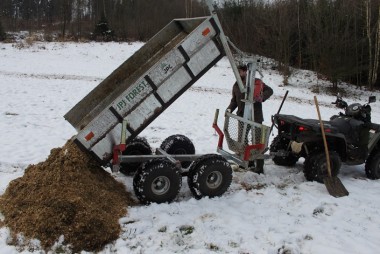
203,58
174,84
103,148
166,67
143,112
97,128
200,36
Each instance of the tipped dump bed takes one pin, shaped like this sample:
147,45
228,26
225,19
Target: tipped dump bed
146,84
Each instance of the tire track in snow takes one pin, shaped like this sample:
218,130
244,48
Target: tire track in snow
50,76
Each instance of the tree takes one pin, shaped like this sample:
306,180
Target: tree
339,38
102,30
66,11
373,37
2,33
376,50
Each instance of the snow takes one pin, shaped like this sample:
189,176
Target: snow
278,212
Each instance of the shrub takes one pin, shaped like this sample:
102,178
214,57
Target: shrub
102,30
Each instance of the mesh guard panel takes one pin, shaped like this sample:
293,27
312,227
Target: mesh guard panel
240,133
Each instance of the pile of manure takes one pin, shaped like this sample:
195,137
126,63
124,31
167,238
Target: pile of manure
69,194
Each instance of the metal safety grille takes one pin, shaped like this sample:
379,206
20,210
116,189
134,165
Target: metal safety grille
241,133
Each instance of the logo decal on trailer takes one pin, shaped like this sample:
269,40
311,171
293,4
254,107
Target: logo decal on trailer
132,93
166,67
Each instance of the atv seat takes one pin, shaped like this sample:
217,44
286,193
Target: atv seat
310,123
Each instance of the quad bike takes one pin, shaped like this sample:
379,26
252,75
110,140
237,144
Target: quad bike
351,136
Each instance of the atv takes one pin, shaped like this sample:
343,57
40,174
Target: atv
351,137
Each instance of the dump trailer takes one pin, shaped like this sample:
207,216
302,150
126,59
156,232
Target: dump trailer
146,84
110,118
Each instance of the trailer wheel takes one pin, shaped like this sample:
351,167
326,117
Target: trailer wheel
178,144
281,143
372,166
157,181
210,175
138,146
315,166
141,139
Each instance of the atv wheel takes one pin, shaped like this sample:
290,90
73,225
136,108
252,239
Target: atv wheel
138,146
210,175
178,144
315,166
280,143
157,181
372,165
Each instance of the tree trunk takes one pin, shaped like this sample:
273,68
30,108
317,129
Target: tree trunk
377,51
299,36
368,27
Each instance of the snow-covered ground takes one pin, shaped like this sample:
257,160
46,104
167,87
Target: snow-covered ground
278,212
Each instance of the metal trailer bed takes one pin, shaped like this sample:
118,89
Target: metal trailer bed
146,84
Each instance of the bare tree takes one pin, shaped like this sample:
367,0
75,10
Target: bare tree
368,30
330,36
2,32
66,15
376,51
188,8
373,38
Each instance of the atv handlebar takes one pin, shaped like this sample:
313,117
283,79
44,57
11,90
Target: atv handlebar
356,110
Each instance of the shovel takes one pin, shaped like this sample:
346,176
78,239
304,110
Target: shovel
333,184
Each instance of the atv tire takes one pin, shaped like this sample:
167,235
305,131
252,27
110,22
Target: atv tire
372,165
280,143
210,175
315,166
157,181
178,144
138,146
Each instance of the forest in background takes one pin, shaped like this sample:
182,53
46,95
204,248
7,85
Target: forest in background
337,38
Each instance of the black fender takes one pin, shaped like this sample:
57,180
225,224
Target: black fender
335,142
340,146
374,138
374,144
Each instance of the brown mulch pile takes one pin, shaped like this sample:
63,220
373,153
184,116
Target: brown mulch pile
68,194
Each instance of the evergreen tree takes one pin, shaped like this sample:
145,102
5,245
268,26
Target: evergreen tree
103,31
2,33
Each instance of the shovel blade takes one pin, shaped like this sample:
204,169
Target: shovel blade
335,187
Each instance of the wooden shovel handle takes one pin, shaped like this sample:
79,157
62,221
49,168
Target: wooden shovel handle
324,138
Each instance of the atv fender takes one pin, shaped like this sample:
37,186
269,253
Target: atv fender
373,142
339,145
335,142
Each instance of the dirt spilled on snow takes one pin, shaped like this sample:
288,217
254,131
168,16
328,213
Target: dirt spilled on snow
68,194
